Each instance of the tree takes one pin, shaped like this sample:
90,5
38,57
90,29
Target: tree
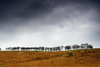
67,48
76,46
85,46
42,48
89,47
58,48
62,47
50,49
82,46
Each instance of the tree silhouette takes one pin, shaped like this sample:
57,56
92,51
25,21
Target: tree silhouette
67,48
50,49
82,46
89,47
76,46
62,47
85,45
42,48
58,48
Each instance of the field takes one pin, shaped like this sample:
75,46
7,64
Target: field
74,58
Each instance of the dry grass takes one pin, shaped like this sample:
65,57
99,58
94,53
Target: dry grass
75,58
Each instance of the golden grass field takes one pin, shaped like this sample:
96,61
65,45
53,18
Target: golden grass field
78,58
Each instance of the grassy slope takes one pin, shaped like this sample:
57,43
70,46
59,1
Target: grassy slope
91,58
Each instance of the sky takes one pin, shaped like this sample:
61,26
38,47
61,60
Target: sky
33,23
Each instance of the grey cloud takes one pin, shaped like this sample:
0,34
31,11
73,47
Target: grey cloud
49,22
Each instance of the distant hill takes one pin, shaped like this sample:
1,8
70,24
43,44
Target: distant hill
74,58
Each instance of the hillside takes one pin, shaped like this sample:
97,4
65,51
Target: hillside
74,58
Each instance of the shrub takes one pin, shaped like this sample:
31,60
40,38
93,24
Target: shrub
71,54
78,51
68,56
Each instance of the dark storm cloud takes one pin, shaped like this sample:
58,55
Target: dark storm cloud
25,9
17,12
14,13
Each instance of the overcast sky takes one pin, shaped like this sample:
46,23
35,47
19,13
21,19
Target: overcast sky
49,22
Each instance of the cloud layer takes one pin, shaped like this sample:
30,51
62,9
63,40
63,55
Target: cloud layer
49,23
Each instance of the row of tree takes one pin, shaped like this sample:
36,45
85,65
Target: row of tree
82,46
58,48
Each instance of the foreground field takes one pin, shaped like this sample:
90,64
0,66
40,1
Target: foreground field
74,58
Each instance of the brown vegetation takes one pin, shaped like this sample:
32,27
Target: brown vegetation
74,58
